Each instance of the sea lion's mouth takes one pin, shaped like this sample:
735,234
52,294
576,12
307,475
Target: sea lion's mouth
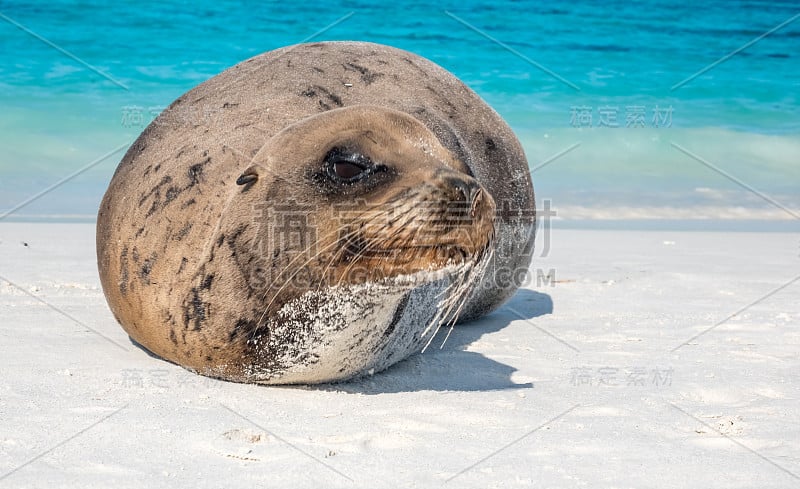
433,255
356,250
451,253
423,262
455,253
415,234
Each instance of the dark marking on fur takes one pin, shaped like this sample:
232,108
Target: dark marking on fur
491,146
147,267
184,261
153,208
367,76
183,232
195,172
196,311
398,315
172,193
155,190
207,282
188,203
155,194
172,337
243,125
235,236
123,265
445,100
322,92
421,71
243,328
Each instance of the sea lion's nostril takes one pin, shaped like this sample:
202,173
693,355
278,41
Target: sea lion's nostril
468,189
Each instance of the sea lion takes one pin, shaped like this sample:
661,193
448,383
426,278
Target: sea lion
314,213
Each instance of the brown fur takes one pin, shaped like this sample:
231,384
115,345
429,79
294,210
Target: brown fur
181,247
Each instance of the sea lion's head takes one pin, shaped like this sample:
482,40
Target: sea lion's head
360,194
358,206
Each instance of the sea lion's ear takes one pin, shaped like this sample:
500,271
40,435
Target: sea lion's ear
249,176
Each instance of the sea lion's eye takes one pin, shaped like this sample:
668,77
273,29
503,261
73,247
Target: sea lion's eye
347,170
346,166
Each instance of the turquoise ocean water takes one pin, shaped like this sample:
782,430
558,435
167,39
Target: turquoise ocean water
652,112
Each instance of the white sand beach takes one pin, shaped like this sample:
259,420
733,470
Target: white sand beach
650,359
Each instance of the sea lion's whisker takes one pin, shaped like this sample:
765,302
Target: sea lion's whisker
355,259
451,320
336,256
441,314
322,250
360,253
344,249
302,253
289,280
483,264
471,274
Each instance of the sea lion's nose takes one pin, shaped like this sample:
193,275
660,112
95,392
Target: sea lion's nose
468,188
